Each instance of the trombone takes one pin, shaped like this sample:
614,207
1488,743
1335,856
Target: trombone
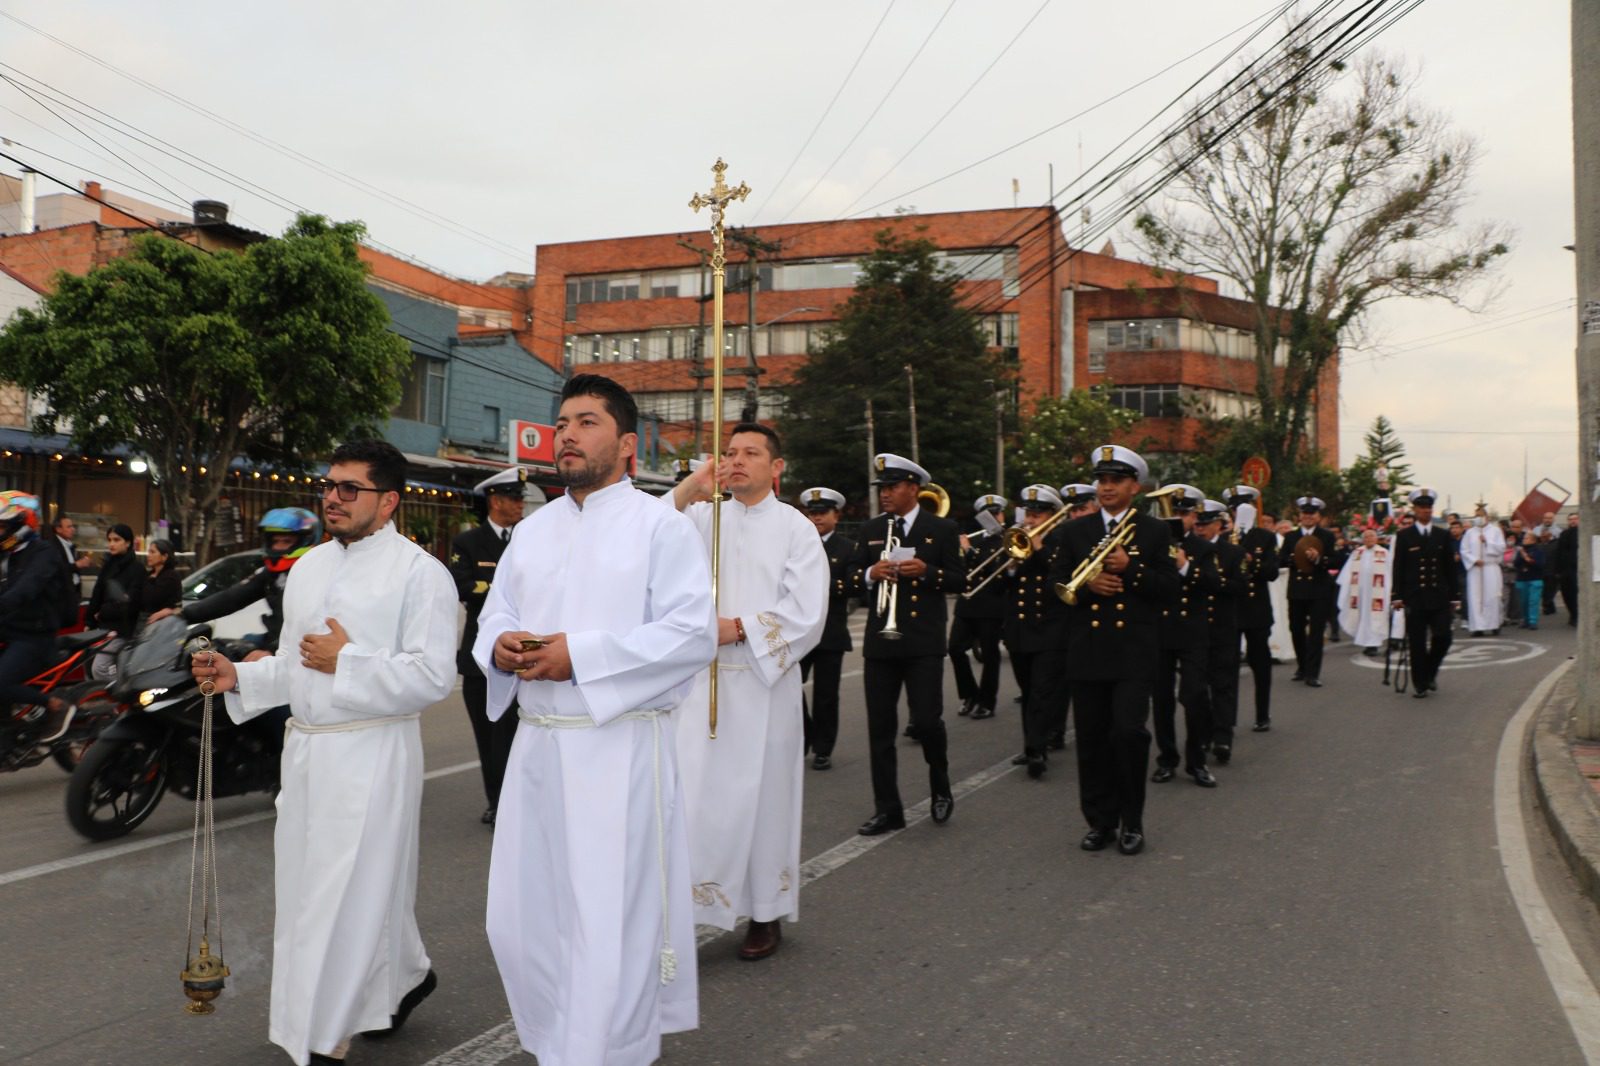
1016,545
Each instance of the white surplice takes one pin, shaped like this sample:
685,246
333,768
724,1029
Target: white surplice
1482,549
1364,593
345,945
742,791
1278,642
590,826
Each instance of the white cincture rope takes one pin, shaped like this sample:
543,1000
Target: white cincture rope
669,958
352,725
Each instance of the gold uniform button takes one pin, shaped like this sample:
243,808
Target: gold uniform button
1095,624
1119,623
913,614
1094,607
1121,606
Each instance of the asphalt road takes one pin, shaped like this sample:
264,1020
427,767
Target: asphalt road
1339,899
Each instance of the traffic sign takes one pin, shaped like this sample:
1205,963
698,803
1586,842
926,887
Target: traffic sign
1256,472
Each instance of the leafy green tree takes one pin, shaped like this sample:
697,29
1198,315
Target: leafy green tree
1336,194
192,359
1054,443
1384,449
904,312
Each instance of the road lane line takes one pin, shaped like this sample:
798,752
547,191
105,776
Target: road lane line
1579,998
133,846
500,1043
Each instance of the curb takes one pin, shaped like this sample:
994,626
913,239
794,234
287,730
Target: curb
1565,795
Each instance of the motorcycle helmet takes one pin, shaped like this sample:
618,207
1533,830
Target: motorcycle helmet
296,521
19,519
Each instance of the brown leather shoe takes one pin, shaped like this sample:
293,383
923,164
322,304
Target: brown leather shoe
761,939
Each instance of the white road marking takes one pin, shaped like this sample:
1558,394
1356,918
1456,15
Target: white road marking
117,851
500,1043
1579,998
1465,655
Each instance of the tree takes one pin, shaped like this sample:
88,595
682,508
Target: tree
1336,194
1383,449
193,359
1055,441
904,312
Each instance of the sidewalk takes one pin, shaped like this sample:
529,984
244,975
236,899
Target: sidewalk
1567,780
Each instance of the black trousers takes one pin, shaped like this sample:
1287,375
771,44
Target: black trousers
982,634
1044,708
1426,654
25,655
822,710
1113,750
1549,595
1185,670
923,681
1258,655
493,738
1308,619
1222,682
1569,595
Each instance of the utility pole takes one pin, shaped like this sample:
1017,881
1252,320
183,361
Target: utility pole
698,371
999,442
911,402
753,246
1586,196
872,453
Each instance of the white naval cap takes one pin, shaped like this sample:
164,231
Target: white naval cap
509,481
1309,503
989,499
682,468
1077,494
1115,459
1209,511
1422,497
1243,494
1039,497
1188,497
892,468
818,498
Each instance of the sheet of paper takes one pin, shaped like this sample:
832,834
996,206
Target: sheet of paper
902,554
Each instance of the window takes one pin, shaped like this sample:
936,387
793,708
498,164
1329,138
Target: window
423,398
681,342
1150,401
1000,331
491,423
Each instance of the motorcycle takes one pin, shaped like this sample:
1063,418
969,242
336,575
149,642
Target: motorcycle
155,745
23,724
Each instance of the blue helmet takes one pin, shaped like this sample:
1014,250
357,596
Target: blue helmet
296,521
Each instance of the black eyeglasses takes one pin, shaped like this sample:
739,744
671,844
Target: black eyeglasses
348,491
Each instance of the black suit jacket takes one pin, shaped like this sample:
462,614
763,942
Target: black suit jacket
991,602
921,616
1318,584
1566,553
1425,568
836,629
473,558
1221,606
1036,619
1258,568
1113,638
1183,625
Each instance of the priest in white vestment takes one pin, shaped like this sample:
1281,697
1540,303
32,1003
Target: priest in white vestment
598,620
1278,591
369,620
1482,547
1364,587
742,791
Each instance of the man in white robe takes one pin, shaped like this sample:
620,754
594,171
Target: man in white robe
1364,593
1278,591
742,791
369,620
1482,547
599,618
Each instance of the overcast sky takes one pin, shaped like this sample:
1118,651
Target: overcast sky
533,123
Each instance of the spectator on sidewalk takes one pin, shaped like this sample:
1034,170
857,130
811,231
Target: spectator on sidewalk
1567,563
1529,566
1547,541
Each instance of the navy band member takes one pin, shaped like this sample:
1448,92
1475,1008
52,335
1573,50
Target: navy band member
822,506
473,558
978,618
915,660
1310,589
1425,588
1114,645
1184,648
1036,629
1221,608
1258,570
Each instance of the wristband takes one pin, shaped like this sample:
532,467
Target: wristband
738,629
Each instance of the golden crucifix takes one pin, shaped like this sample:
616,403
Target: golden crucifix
717,200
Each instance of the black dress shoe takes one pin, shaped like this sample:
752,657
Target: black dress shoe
981,711
1202,777
1131,842
1299,675
1313,682
1222,753
408,1003
1037,765
1020,759
1419,693
318,1058
1057,742
1163,774
966,708
1097,839
1261,727
821,762
943,808
488,816
761,940
879,824
911,732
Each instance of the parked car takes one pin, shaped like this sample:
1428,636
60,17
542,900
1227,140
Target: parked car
224,573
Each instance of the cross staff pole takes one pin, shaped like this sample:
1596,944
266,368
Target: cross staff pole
717,200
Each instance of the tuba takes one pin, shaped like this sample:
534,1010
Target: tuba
934,498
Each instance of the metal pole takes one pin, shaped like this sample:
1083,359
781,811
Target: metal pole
872,453
1586,209
911,402
752,374
999,442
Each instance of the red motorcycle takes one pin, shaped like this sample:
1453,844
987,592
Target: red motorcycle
21,725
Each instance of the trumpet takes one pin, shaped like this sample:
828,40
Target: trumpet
1095,562
1016,545
889,593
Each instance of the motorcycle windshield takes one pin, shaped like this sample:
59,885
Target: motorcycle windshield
155,648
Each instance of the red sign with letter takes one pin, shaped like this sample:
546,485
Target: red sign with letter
532,442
